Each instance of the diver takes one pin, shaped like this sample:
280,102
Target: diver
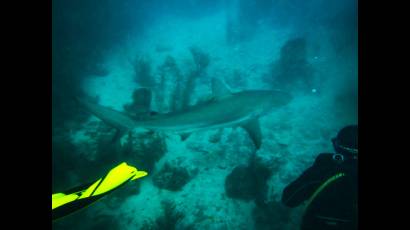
329,186
77,198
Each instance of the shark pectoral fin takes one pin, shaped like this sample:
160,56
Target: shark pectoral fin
219,89
184,136
118,134
205,100
254,130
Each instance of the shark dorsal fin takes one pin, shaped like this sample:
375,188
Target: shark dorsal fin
219,89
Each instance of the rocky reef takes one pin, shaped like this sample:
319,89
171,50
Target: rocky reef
248,182
141,103
240,184
292,70
169,220
144,149
172,177
143,72
271,216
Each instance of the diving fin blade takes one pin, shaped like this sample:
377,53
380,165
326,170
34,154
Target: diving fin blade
254,130
139,174
57,195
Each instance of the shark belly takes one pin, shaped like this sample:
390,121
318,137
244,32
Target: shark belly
179,125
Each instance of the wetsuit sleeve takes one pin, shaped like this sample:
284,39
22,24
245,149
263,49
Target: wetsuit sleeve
304,186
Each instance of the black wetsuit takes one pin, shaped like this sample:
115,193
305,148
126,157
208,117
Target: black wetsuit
330,187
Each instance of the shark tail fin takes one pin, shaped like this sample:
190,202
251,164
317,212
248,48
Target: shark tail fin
254,130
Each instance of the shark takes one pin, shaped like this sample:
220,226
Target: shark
224,109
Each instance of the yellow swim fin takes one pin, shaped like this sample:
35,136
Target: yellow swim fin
79,197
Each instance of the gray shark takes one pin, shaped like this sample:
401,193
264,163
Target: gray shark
224,109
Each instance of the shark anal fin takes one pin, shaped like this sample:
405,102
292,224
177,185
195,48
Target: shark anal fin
219,89
184,136
254,130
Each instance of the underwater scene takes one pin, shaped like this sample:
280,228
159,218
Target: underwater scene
196,114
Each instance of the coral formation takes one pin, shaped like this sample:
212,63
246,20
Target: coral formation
183,86
143,72
169,220
201,62
248,182
170,72
261,171
237,79
172,177
64,161
240,184
144,149
118,197
292,70
88,220
271,216
141,103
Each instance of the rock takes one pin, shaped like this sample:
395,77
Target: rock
240,184
271,216
144,149
249,182
171,219
171,177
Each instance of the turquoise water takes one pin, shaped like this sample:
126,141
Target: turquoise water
104,50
